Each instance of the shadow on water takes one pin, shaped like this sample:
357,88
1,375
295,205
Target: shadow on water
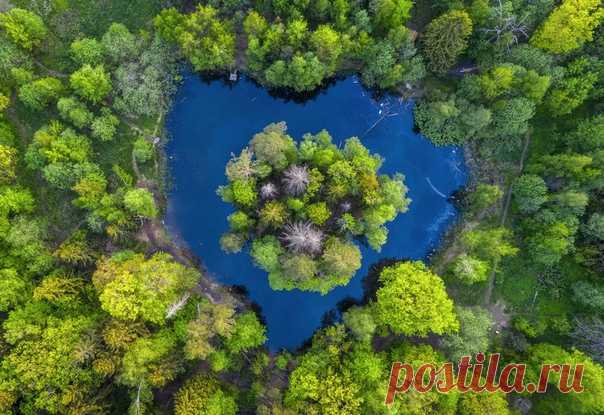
212,119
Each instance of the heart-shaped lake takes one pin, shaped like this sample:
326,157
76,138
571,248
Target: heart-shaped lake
211,121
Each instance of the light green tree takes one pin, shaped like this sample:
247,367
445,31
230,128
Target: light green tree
412,301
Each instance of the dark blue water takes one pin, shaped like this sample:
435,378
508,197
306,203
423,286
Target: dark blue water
209,122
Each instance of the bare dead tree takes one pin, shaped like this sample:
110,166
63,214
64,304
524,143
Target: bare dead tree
269,191
507,24
296,179
303,237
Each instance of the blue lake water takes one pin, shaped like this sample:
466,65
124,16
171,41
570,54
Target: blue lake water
210,121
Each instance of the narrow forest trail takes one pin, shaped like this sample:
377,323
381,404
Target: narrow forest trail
488,294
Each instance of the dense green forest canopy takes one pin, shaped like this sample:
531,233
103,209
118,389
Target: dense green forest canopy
102,314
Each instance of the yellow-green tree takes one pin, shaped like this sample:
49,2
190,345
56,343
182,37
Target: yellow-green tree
132,287
569,26
413,301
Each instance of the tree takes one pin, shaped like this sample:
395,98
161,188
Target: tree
323,382
412,301
205,40
588,136
573,89
549,243
595,226
510,118
273,146
203,395
414,402
132,287
361,323
530,192
8,164
446,38
141,203
105,126
55,357
326,44
489,244
39,93
74,111
587,402
4,102
472,403
588,335
484,196
150,360
569,26
473,336
248,333
118,43
589,295
452,121
143,150
91,83
87,51
143,85
390,14
469,270
26,29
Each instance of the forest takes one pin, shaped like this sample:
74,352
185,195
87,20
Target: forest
103,312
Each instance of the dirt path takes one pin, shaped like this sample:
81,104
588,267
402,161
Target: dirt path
504,216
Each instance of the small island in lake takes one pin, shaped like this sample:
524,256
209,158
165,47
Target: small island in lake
303,206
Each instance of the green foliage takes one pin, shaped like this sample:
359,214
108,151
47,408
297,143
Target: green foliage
484,196
8,164
87,51
412,301
143,150
148,360
530,192
595,226
489,244
569,26
587,402
55,356
390,14
203,395
573,89
39,93
473,336
588,295
318,213
91,83
132,287
361,323
144,84
446,38
248,333
141,203
74,111
469,270
105,126
472,403
25,29
118,43
204,39
452,121
294,203
549,243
